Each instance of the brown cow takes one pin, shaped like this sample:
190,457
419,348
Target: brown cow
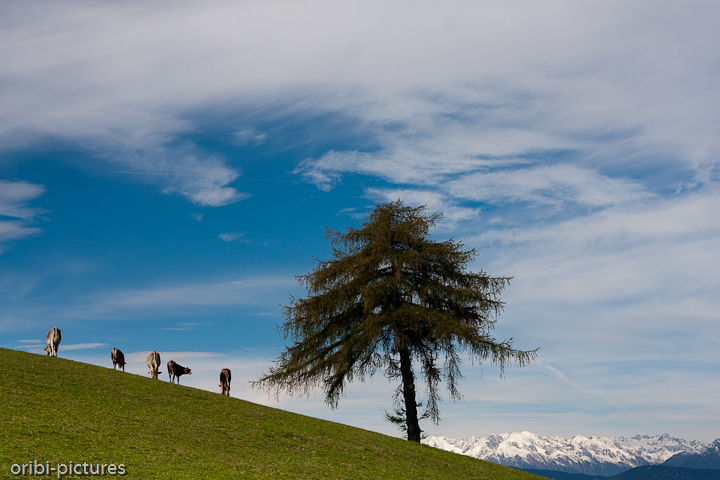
225,381
118,359
175,371
153,363
52,339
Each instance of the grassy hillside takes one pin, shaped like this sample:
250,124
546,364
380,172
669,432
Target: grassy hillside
55,410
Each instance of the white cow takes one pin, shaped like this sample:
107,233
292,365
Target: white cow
52,339
153,363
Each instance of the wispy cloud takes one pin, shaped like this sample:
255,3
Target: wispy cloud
14,231
597,80
434,200
184,326
546,184
203,179
37,346
84,346
231,236
250,135
633,286
248,291
14,199
352,213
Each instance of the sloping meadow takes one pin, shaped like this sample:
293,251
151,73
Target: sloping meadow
55,411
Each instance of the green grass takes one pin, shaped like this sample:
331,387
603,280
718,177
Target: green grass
55,410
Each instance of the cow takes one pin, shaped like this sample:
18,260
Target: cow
175,371
153,363
52,339
225,381
118,359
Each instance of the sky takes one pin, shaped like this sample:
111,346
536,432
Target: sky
168,169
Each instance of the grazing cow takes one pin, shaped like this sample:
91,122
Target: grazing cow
153,363
225,381
118,359
175,370
52,339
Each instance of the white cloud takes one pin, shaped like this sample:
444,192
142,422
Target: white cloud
227,293
231,236
407,166
184,326
548,184
84,346
632,286
641,267
249,135
201,179
37,346
15,230
440,87
14,198
436,203
352,213
269,290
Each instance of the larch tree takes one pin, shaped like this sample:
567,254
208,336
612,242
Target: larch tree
391,300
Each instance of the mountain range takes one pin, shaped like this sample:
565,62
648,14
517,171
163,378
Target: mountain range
597,456
707,457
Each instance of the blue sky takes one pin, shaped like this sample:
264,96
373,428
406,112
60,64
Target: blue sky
166,171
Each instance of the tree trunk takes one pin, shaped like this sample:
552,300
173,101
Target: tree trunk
411,416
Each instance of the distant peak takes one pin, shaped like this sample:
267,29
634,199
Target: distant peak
605,456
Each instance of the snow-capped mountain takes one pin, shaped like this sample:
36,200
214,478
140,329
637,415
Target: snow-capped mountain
592,456
708,457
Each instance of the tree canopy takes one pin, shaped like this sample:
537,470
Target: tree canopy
390,299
